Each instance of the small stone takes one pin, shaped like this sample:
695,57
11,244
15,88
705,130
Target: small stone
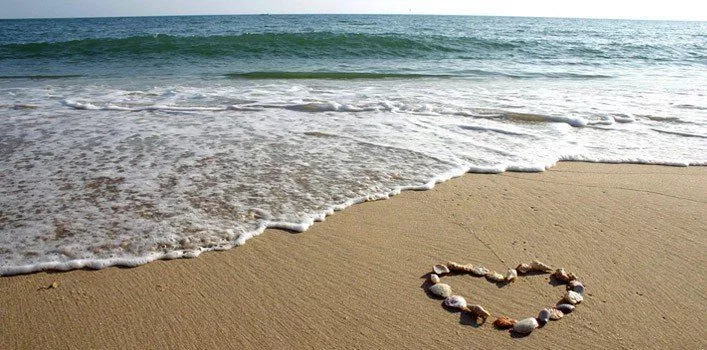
525,326
576,286
565,308
441,290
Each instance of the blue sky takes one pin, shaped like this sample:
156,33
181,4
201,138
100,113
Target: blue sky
645,9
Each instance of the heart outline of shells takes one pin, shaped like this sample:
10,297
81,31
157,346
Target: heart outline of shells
572,297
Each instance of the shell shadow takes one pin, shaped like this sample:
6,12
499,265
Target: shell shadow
518,335
467,319
532,273
451,310
425,281
507,329
555,282
500,284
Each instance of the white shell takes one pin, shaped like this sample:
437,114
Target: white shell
573,297
495,277
434,278
544,315
525,326
540,266
441,290
523,268
480,271
455,301
457,267
511,275
556,314
440,269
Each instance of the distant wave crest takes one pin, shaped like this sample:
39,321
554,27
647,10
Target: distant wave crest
288,45
339,45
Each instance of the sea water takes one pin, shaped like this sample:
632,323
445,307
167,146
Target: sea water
125,140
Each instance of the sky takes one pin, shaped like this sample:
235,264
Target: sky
641,9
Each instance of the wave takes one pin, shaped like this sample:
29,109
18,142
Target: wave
330,75
38,77
689,106
339,45
320,215
87,106
679,133
257,45
289,45
333,75
665,119
332,106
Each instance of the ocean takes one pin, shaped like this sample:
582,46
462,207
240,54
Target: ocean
126,140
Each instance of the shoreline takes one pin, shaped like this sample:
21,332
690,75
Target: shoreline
99,264
633,233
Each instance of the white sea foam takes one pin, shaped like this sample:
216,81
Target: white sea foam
98,175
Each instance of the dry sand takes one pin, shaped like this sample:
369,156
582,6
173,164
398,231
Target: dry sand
636,236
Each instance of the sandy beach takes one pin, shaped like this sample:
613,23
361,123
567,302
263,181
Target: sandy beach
634,234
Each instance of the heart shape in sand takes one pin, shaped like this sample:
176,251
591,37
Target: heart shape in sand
572,297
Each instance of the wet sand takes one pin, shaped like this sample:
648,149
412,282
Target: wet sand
636,235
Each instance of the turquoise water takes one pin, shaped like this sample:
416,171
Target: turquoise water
457,46
124,140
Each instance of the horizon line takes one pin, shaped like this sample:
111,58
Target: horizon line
364,14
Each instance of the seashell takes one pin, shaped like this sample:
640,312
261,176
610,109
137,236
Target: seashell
539,266
556,314
562,276
495,277
576,286
479,312
544,316
480,271
511,275
441,290
457,302
440,269
504,322
434,279
456,267
525,326
565,308
573,297
523,268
